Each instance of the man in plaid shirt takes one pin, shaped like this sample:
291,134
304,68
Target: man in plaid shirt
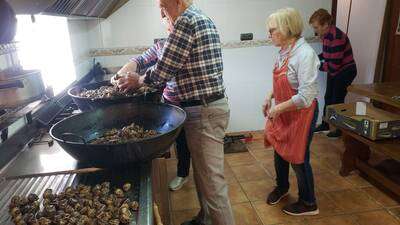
192,56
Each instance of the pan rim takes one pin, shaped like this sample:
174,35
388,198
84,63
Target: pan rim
119,144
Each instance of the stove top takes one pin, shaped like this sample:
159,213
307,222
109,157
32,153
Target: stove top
40,158
31,161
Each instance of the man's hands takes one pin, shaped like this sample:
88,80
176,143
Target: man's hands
127,79
128,82
129,68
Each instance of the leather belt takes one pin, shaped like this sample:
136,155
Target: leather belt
204,101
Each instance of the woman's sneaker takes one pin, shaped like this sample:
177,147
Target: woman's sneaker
300,208
275,196
321,128
177,183
334,134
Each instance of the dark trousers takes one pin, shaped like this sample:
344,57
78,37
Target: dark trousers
183,155
182,152
336,88
304,174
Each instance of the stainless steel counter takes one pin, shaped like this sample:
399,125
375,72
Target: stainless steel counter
44,163
40,159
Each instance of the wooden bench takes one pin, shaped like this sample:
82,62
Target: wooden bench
358,148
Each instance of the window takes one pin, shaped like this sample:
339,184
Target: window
45,45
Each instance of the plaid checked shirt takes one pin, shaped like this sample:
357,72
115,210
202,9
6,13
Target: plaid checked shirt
147,60
192,55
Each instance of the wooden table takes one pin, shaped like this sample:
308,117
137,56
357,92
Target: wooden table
358,148
382,92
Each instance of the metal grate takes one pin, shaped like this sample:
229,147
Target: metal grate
25,186
8,48
95,8
37,185
64,7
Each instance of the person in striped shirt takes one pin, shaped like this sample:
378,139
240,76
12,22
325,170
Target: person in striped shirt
336,60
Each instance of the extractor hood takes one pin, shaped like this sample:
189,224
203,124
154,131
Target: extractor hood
86,8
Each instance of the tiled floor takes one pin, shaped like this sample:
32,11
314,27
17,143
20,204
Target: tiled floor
342,200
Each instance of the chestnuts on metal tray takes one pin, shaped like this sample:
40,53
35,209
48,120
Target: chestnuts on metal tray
83,205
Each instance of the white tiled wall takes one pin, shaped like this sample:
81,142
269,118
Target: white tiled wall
80,44
137,22
248,77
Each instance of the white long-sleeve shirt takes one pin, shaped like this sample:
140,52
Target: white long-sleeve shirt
302,72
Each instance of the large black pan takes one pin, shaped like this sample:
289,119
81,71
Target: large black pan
74,133
88,104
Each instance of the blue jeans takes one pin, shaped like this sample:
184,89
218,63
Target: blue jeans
303,171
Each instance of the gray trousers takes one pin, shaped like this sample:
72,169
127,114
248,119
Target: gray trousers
205,129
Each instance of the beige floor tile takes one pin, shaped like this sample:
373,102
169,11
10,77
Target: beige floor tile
250,176
245,214
293,188
236,194
181,216
256,144
357,180
327,149
229,175
327,207
334,165
331,182
270,168
395,212
353,200
185,198
318,166
188,191
258,190
333,220
240,159
381,197
380,217
295,223
266,156
249,172
273,214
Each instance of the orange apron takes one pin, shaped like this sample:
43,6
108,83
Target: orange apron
288,133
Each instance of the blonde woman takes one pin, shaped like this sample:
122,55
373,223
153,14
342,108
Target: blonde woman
291,121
